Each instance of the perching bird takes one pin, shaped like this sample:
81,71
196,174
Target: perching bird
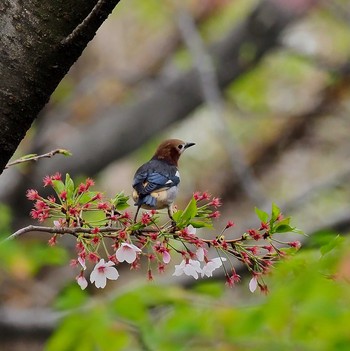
156,182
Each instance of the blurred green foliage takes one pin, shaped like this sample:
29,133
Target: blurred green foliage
307,309
25,258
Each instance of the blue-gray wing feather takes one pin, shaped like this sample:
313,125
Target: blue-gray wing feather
155,175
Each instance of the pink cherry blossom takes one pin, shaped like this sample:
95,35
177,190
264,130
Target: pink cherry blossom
127,252
188,267
103,271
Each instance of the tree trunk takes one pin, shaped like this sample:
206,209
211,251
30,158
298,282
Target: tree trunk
39,42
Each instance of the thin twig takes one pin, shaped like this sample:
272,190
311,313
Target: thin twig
212,96
75,231
84,24
36,157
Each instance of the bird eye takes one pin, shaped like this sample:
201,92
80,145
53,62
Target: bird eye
180,147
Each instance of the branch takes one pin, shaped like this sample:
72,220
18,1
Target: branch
80,28
64,230
91,232
35,157
35,61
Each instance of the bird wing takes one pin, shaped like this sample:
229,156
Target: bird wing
154,176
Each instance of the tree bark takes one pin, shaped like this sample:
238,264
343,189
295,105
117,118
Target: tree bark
39,42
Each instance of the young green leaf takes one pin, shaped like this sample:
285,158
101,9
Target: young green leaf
120,201
284,228
69,186
262,215
190,211
58,186
275,212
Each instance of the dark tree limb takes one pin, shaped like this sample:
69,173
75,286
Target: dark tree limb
39,41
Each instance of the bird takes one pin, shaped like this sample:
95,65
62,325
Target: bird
156,182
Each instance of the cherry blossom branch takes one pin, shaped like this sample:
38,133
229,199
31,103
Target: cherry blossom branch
75,231
147,239
35,157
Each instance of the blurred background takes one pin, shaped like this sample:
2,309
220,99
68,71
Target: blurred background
262,88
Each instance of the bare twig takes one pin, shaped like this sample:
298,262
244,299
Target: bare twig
75,231
78,30
35,157
212,96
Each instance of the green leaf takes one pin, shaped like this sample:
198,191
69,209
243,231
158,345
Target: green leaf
201,224
64,152
332,244
275,212
69,186
138,312
86,197
72,296
262,215
183,218
58,186
120,201
29,156
284,228
190,211
210,288
177,216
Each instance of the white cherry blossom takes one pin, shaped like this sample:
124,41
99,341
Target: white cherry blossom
188,267
103,271
211,265
127,252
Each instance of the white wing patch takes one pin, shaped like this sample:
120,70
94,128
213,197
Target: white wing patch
177,174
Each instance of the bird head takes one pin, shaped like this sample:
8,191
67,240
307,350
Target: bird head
170,150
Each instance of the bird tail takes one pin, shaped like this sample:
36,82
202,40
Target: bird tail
148,200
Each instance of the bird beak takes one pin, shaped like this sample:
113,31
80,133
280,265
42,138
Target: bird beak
187,145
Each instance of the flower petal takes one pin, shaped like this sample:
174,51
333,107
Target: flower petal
111,273
191,271
93,276
100,280
127,252
82,282
253,284
191,229
217,261
166,257
200,254
179,268
196,265
82,262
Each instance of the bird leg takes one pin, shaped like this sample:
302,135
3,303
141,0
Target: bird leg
137,212
170,214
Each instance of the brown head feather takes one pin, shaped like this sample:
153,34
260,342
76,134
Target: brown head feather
170,150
